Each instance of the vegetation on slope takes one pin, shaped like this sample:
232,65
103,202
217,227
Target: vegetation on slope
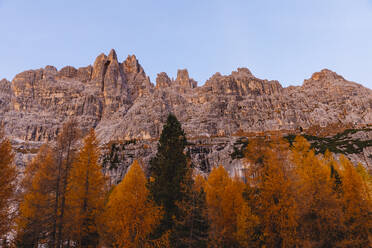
287,197
341,143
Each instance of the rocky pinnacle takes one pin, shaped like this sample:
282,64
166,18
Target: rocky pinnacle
121,103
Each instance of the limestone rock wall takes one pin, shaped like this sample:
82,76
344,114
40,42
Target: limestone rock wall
119,101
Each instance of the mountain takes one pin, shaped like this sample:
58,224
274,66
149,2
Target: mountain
128,111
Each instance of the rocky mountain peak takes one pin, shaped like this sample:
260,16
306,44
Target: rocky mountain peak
326,74
112,55
99,68
82,74
131,65
4,81
182,75
5,86
49,69
162,80
68,72
242,82
119,101
138,82
184,80
332,82
114,87
242,72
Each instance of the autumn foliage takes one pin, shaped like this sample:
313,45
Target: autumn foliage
305,200
130,216
35,219
224,201
270,195
284,196
85,194
7,184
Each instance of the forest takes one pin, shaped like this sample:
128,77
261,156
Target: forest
288,196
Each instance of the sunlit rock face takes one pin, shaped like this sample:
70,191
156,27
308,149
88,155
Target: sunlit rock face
119,101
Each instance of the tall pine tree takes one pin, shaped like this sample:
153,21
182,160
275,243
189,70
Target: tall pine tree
191,226
168,170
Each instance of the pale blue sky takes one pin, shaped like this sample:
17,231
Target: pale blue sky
286,40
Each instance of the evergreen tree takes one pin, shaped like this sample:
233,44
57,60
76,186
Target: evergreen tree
335,175
167,173
191,227
337,179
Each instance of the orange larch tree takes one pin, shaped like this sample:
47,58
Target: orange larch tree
366,179
356,205
272,213
224,203
8,174
130,216
65,154
85,194
53,186
35,217
320,212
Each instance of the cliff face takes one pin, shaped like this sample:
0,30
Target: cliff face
120,102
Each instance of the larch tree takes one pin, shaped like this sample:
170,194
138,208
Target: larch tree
8,174
35,218
320,212
248,232
167,173
366,179
356,205
65,153
85,194
130,216
224,203
270,195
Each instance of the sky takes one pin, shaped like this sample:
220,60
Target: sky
284,40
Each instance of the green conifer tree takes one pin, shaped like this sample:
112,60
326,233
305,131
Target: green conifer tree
168,170
191,225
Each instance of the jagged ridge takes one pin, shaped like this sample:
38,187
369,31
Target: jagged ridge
120,102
